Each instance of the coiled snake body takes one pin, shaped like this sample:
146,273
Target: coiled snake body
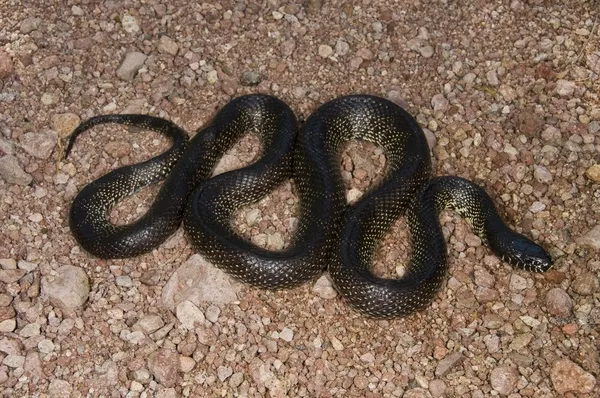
330,235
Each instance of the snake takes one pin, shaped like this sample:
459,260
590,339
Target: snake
331,234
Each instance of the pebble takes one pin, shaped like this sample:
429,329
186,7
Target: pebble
440,103
542,174
11,275
6,65
224,372
593,173
189,315
149,323
130,24
250,78
46,346
164,365
40,144
68,289
186,364
568,376
342,48
236,379
559,303
437,388
504,379
586,284
166,45
11,171
8,263
124,281
199,281
77,11
59,389
517,283
323,287
336,344
447,363
492,77
286,334
131,64
565,88
8,325
325,51
14,361
30,24
30,330
591,239
212,313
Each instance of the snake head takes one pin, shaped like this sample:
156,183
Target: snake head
523,253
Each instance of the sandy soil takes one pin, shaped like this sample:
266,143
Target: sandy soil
507,92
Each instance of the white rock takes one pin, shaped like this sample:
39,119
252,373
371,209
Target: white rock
286,334
149,324
8,325
189,315
14,361
123,281
39,144
130,24
323,288
166,45
325,50
565,88
131,64
212,313
59,389
197,280
11,171
68,289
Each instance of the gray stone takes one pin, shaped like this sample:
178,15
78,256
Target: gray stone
11,171
189,315
6,65
149,324
591,239
166,45
504,379
323,287
39,144
69,289
30,24
131,64
250,78
197,280
448,362
542,174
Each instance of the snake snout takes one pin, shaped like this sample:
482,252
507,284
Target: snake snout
528,255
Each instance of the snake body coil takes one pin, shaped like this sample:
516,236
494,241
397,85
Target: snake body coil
330,234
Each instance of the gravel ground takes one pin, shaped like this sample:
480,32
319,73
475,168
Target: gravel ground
508,93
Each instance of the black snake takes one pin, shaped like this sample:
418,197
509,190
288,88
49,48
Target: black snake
330,234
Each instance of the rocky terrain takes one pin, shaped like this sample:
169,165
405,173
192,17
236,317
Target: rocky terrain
508,94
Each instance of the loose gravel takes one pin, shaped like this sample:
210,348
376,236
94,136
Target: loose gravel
507,92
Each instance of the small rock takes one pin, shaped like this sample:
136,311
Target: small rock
65,123
223,372
26,265
542,174
250,78
568,376
59,389
565,88
14,361
6,65
166,45
517,283
118,149
492,77
8,325
341,48
189,315
46,346
325,51
69,289
593,173
40,144
236,379
164,364
336,344
396,97
212,313
504,379
446,364
186,364
149,324
440,103
323,288
124,281
437,388
77,11
559,303
131,64
586,284
29,24
286,334
367,357
197,280
8,263
591,239
130,24
11,275
30,330
365,54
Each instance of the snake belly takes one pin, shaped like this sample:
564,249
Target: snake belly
330,234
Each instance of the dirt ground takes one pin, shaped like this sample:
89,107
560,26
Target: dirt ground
507,92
